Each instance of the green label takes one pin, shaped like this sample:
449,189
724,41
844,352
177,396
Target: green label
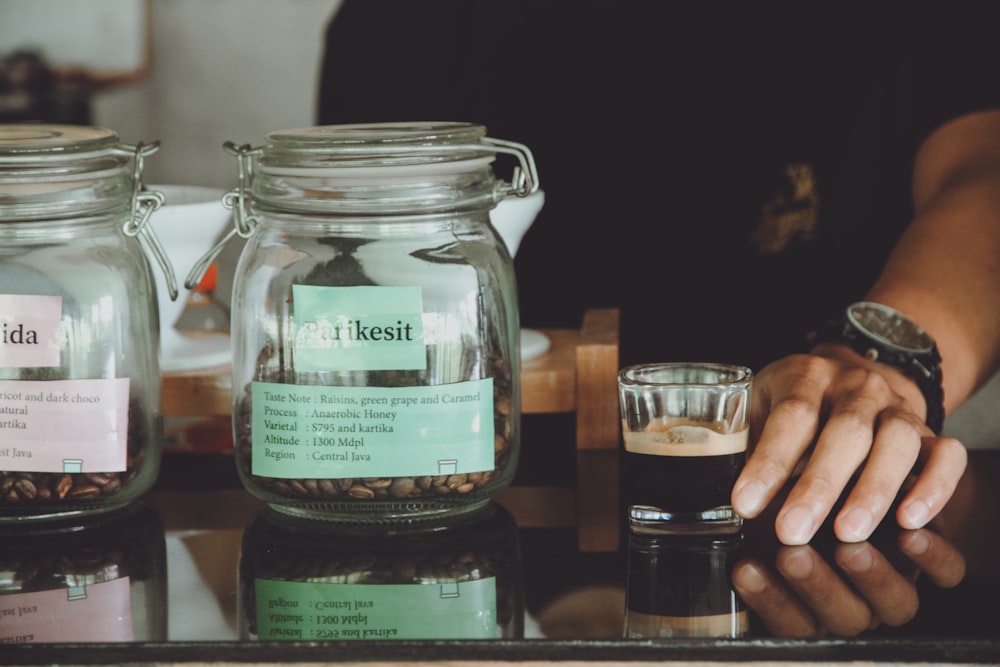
315,611
305,431
358,328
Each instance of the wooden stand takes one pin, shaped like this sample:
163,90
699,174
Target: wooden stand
577,374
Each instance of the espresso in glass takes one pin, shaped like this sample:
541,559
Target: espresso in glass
682,468
685,431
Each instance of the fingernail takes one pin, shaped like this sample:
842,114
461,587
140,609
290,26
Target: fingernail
857,524
797,524
860,559
798,564
916,513
750,499
751,578
916,543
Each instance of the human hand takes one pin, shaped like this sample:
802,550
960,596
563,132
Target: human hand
802,594
832,416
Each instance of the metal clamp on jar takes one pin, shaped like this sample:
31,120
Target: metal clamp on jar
375,335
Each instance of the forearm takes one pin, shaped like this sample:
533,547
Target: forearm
945,271
835,416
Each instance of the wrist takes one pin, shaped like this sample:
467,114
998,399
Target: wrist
891,341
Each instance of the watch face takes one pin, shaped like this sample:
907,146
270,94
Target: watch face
889,327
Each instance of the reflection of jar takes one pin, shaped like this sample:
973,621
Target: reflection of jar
298,582
79,376
681,586
375,325
88,579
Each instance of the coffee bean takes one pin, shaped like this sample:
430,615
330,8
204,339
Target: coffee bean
25,489
360,491
84,491
401,487
455,481
63,485
328,487
297,487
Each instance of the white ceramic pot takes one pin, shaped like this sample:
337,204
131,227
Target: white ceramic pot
512,218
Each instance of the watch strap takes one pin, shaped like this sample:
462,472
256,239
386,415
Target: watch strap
924,369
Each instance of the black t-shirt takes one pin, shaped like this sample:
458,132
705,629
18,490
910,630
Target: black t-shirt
728,174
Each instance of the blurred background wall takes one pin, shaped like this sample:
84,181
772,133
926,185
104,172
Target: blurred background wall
189,73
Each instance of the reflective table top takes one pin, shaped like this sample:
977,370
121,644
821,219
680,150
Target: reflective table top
212,575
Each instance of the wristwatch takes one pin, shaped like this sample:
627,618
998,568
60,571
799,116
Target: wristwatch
885,335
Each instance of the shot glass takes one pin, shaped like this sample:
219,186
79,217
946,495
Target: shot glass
685,430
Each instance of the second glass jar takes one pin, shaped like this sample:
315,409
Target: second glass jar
376,374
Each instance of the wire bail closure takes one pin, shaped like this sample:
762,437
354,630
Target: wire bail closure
524,182
144,204
525,177
236,201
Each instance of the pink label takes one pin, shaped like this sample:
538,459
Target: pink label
64,425
29,330
94,613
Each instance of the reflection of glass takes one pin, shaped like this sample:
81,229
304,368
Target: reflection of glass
301,580
96,580
679,586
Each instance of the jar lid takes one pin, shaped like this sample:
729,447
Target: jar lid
376,145
39,141
416,167
58,171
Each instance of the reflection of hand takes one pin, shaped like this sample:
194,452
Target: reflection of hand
873,429
806,596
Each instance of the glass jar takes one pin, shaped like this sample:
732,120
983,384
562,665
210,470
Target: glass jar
299,582
79,374
375,329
